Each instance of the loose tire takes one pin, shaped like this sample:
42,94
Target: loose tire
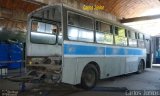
140,67
89,77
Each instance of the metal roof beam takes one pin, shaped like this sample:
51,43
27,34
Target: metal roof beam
143,18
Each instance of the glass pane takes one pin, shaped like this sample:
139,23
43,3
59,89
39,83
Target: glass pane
80,21
73,19
108,39
43,33
121,32
102,37
51,13
116,30
85,35
140,36
86,22
132,35
80,34
43,38
44,27
72,33
103,27
141,44
34,26
50,28
41,27
120,38
133,42
121,41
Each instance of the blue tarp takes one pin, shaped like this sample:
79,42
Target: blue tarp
4,56
11,52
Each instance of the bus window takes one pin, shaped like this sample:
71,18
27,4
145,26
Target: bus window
131,35
80,21
80,28
140,36
43,27
72,33
141,40
120,38
103,33
85,22
126,33
116,30
43,33
73,19
132,41
141,44
80,34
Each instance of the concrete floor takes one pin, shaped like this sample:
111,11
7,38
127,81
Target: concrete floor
116,86
149,80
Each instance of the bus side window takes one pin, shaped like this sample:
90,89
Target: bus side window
120,38
141,40
80,28
132,41
116,30
73,19
126,33
103,33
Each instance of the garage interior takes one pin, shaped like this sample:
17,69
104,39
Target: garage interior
142,15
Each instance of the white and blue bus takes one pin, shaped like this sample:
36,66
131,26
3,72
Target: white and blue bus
70,46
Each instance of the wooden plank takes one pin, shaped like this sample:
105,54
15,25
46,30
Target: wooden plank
143,18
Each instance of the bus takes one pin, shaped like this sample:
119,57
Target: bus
67,45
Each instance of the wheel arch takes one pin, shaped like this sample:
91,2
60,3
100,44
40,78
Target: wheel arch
96,65
143,63
88,66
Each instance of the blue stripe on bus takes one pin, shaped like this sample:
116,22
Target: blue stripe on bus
109,51
83,50
71,49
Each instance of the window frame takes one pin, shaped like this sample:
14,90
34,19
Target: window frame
93,29
141,40
112,30
130,38
110,33
80,15
125,29
43,21
142,36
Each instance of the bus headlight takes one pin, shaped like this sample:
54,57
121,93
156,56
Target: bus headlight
30,62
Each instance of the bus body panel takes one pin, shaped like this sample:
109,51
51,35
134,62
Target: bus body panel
112,60
43,50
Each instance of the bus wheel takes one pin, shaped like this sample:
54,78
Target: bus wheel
89,77
140,67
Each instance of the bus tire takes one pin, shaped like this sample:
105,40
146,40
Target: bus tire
89,77
140,67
